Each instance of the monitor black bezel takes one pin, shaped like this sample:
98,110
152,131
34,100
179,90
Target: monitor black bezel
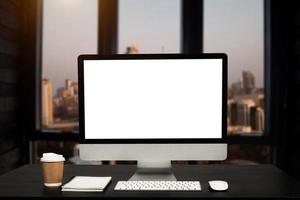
81,60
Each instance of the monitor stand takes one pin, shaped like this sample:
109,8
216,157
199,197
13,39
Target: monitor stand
153,171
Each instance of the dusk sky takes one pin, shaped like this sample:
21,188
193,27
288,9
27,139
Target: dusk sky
231,26
236,28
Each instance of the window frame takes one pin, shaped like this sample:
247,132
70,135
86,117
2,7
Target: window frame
190,31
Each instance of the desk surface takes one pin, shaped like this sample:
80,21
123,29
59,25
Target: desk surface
244,181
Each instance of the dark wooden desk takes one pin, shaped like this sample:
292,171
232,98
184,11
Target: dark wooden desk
244,181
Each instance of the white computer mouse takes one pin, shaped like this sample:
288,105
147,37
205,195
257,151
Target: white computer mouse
218,185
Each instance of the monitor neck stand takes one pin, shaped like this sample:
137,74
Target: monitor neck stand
153,171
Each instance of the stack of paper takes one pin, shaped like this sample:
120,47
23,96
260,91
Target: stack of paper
86,184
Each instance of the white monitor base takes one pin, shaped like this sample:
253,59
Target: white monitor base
153,171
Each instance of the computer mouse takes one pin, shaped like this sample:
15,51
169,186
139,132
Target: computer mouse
218,185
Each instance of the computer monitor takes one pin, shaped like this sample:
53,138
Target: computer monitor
153,109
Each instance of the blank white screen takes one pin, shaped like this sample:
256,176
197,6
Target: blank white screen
141,99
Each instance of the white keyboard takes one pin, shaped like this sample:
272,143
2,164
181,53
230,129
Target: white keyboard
158,186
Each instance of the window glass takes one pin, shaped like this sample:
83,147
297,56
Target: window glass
149,26
236,27
70,28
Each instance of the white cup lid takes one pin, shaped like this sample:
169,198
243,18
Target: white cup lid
52,157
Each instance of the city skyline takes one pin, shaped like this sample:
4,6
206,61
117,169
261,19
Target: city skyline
247,78
231,84
245,105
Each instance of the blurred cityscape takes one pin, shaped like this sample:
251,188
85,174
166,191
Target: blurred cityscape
60,111
59,107
245,106
245,111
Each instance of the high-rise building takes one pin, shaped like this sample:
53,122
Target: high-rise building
261,100
260,119
60,92
66,102
248,82
132,50
253,111
233,114
243,112
229,103
75,88
68,83
236,88
257,119
47,104
69,88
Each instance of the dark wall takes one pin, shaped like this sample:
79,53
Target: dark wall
11,145
293,100
286,84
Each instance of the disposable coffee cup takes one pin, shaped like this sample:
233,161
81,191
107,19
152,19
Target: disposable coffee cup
52,169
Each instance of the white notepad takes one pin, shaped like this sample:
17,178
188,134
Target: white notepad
86,184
